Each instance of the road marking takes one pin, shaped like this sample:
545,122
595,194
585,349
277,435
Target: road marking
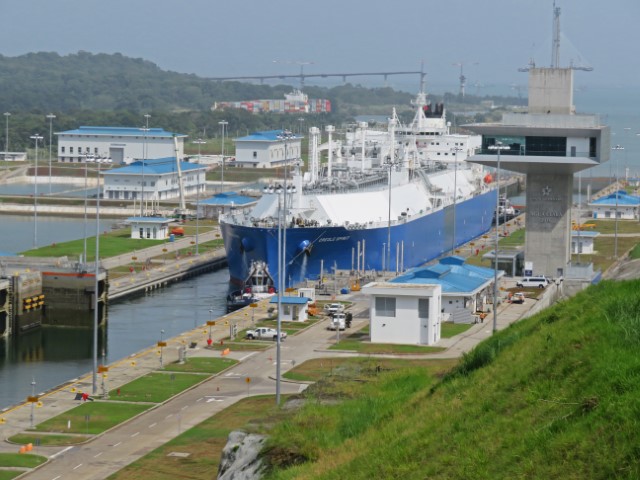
152,425
77,466
231,374
97,455
56,478
169,416
61,452
115,445
214,399
247,356
200,399
135,434
185,407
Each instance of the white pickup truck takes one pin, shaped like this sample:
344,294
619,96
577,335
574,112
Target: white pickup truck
263,333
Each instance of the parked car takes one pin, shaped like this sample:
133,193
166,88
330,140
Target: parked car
265,333
539,282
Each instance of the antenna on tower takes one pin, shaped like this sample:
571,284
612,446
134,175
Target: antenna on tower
555,49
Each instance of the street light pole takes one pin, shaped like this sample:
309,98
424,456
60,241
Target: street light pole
392,163
617,149
280,288
96,293
6,133
144,129
455,150
33,394
51,116
161,347
223,124
35,137
498,147
199,142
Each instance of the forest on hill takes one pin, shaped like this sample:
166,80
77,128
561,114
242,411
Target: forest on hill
112,89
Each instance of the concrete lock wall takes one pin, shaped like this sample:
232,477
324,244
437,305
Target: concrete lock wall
548,223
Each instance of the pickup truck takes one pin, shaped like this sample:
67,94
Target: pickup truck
337,322
263,333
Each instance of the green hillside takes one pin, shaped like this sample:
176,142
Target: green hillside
554,396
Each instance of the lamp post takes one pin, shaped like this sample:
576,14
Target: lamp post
33,394
210,322
96,293
498,147
616,149
390,164
51,116
223,124
455,150
35,137
199,142
144,129
84,259
6,135
280,288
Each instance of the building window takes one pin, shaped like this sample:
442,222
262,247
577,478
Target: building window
385,306
95,150
62,149
423,308
255,154
70,149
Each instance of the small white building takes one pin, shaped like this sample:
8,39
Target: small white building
294,309
117,144
404,313
151,228
624,207
583,241
267,149
153,180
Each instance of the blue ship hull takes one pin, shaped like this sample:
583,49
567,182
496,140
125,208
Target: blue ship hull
308,249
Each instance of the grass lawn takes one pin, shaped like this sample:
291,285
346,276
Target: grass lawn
101,416
21,460
318,368
450,329
359,342
49,440
201,365
155,387
605,246
9,474
609,226
203,443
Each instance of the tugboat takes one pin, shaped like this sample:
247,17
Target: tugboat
259,284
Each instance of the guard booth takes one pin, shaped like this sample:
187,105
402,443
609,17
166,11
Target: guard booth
511,261
152,228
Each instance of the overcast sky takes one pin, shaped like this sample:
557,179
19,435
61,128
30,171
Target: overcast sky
244,37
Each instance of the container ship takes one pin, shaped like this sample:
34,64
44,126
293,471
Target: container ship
385,199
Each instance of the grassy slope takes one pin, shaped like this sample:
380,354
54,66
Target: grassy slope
555,396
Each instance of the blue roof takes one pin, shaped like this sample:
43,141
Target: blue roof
228,198
290,300
121,131
266,136
451,273
584,233
623,199
158,166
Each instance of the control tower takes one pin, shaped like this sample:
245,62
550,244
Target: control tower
549,144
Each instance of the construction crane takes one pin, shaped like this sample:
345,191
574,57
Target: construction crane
463,79
297,62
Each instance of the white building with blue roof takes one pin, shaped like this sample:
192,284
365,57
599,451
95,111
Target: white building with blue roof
618,203
410,308
120,144
267,149
153,180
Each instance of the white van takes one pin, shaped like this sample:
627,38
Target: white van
539,282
